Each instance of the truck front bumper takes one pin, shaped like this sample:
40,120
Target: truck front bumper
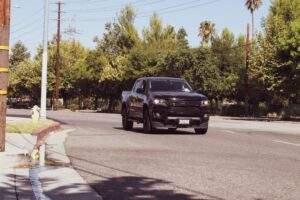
182,122
180,117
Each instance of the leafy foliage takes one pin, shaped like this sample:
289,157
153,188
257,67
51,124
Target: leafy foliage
18,55
276,57
90,77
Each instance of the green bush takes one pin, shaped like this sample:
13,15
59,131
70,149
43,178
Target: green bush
73,107
260,110
235,110
291,110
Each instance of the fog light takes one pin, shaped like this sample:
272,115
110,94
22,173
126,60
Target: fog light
205,115
157,115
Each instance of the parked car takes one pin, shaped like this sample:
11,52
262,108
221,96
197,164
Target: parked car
164,102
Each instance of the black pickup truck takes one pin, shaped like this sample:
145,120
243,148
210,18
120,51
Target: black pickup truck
164,102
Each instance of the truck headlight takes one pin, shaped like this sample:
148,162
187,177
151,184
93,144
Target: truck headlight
161,102
204,103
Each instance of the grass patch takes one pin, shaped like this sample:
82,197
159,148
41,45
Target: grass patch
27,126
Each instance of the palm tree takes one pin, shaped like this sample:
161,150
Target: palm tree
206,32
253,5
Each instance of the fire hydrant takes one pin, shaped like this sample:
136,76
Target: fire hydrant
35,114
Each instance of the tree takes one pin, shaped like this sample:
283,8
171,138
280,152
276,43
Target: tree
18,55
120,36
275,60
181,37
253,5
204,74
206,32
154,33
25,79
228,54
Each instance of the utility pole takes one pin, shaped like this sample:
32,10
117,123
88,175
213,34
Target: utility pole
58,57
4,56
246,72
45,64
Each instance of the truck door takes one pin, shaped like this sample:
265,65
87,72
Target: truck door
140,100
133,99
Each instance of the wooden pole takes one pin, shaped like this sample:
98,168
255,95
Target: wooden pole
58,58
4,56
246,72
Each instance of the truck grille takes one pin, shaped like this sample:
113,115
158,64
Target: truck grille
186,111
184,103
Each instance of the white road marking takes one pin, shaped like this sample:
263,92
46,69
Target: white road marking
227,131
283,142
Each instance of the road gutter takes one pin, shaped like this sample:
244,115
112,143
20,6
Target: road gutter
288,143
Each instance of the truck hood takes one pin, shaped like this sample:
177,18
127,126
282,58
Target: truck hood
179,95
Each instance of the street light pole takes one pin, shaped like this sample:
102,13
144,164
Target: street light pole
45,63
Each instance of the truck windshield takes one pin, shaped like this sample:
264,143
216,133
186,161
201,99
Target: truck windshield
170,86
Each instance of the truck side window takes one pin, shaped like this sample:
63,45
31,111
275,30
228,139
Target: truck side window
137,85
143,85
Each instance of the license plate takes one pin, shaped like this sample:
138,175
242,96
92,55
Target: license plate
184,122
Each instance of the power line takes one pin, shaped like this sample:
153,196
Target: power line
35,19
85,1
40,25
181,9
29,24
36,12
33,35
110,8
149,13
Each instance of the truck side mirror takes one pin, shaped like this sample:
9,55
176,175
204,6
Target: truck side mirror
199,91
140,91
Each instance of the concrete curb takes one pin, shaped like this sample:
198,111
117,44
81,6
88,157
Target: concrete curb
262,119
55,146
56,152
19,146
58,181
43,132
53,127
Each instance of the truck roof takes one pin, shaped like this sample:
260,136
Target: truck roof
160,78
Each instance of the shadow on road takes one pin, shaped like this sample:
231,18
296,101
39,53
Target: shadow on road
158,131
142,188
19,187
115,188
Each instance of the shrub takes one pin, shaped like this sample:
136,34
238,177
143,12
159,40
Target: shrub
73,107
235,110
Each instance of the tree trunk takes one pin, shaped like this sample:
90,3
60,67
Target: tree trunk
96,102
110,104
65,99
217,105
79,103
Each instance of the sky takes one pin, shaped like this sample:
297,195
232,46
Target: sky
88,17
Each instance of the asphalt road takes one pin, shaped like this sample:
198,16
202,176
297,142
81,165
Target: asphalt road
236,159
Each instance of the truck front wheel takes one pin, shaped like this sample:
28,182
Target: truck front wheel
147,122
201,131
127,125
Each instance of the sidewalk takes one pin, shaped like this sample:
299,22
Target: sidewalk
23,179
281,127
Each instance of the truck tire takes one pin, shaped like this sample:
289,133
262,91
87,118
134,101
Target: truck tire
172,129
127,125
201,131
147,124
